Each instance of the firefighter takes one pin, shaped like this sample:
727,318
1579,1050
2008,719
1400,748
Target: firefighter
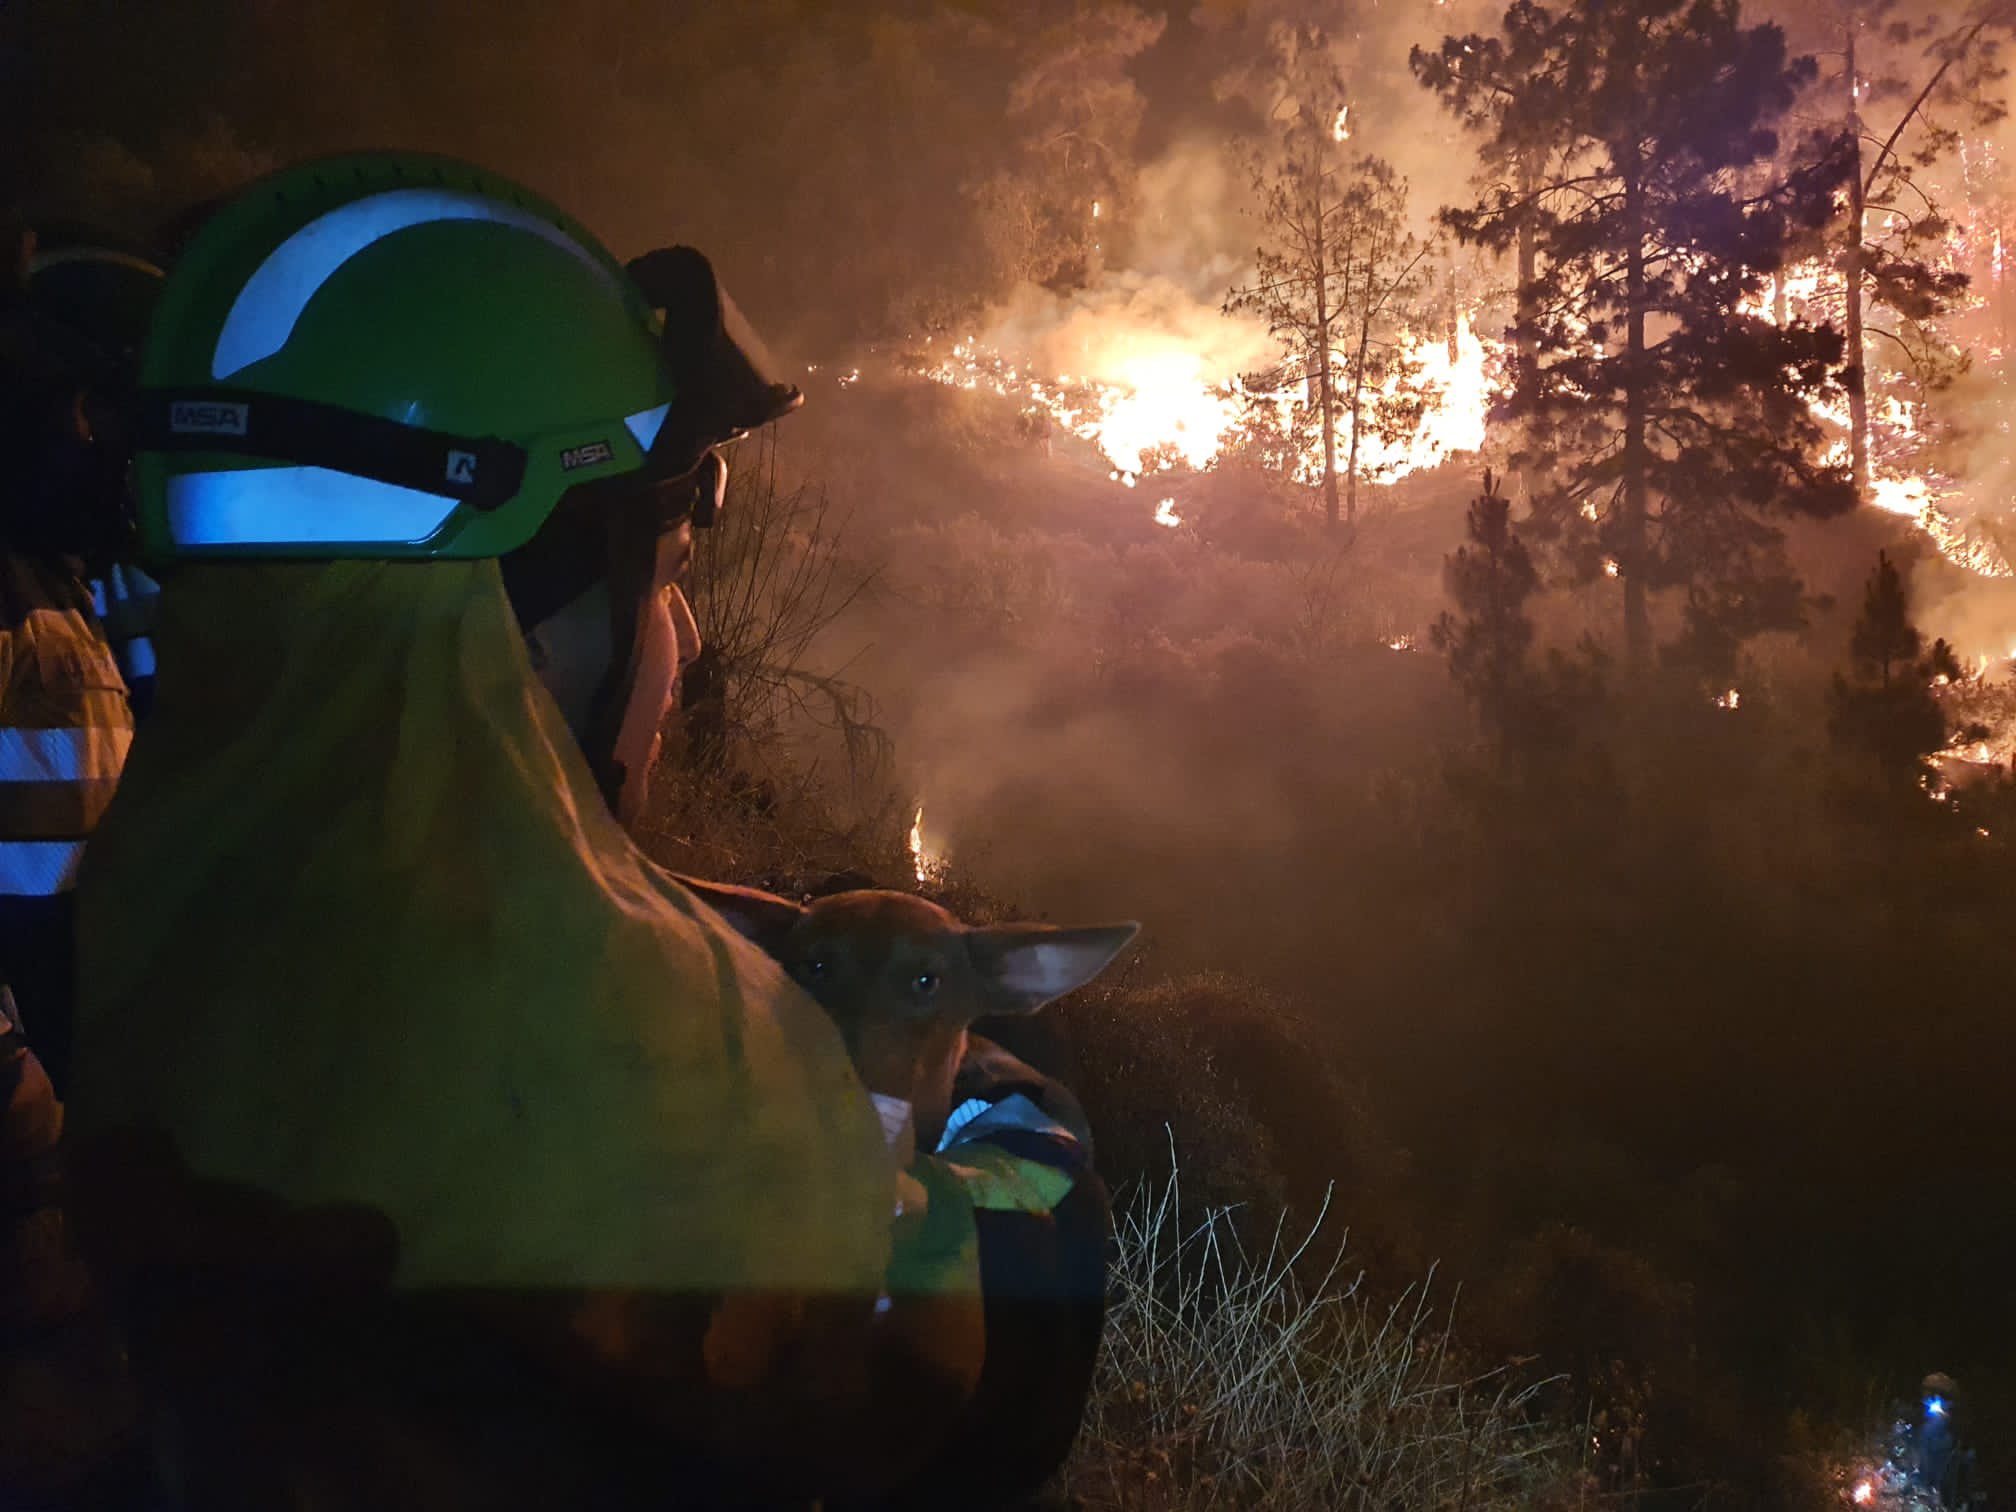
69,320
90,285
71,315
421,1125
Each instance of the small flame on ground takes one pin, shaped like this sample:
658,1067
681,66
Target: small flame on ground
1400,643
1730,700
1610,567
1339,130
1165,514
926,860
1864,1493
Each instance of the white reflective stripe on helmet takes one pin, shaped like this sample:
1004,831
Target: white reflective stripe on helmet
646,424
38,868
263,316
87,753
287,506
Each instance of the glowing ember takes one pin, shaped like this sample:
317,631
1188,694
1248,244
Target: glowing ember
1864,1493
1165,514
1730,700
1400,643
1610,567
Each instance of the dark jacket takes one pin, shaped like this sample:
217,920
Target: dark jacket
1044,1281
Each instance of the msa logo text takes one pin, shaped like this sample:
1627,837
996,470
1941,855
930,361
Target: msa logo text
208,417
586,456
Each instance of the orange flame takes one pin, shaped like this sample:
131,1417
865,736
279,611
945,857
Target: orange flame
920,861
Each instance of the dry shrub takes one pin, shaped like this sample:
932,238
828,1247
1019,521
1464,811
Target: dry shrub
1251,1088
1148,1061
1226,1381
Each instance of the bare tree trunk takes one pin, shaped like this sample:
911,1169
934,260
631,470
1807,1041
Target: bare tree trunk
2000,270
1455,319
1357,410
1781,312
1631,561
1526,315
1326,395
1852,268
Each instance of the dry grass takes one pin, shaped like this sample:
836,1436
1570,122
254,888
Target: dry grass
1228,1380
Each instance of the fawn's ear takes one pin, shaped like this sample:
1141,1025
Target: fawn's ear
1024,966
758,916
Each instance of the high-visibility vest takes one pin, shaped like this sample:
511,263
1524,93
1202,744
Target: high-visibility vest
998,1178
125,600
65,726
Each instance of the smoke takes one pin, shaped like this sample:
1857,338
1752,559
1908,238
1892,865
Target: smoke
1191,222
1127,324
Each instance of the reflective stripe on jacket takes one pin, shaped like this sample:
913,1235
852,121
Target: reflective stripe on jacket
65,725
126,600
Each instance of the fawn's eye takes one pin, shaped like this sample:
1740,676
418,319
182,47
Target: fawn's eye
924,984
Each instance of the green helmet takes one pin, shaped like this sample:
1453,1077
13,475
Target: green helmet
397,356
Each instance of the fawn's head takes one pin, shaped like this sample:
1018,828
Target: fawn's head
903,979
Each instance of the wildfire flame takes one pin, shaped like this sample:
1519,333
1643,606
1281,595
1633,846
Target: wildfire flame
1339,131
1165,405
1165,514
1812,291
925,860
1958,543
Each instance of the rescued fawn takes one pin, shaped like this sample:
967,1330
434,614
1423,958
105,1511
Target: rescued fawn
903,980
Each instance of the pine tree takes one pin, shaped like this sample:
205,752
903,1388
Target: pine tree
1887,710
1664,424
1899,73
1337,276
1489,581
1073,115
